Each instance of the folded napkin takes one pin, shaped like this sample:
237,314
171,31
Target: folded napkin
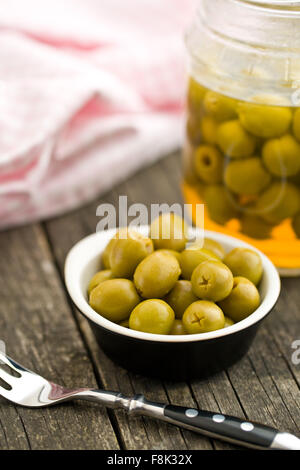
90,91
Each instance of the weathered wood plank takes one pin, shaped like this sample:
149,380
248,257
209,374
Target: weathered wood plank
286,329
137,432
270,392
258,387
40,332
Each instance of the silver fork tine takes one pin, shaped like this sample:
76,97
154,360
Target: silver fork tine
4,393
9,379
12,364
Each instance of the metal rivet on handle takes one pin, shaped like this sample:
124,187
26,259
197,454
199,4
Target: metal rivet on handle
218,418
247,426
190,413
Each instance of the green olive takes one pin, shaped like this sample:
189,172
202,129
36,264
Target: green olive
188,169
263,120
296,124
124,323
243,300
282,156
220,107
246,263
180,297
296,225
211,245
156,275
195,97
212,280
193,130
228,322
177,328
295,179
246,176
98,278
215,247
106,253
208,127
278,202
234,140
255,227
191,257
170,252
114,299
127,253
203,316
209,164
169,231
220,203
152,316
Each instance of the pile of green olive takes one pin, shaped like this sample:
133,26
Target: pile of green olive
167,286
243,159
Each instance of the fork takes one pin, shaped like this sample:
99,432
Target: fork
28,389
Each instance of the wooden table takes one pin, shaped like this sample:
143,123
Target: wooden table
43,330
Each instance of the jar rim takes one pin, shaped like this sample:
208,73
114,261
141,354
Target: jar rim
241,41
253,22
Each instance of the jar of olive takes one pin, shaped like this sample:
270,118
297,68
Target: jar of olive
242,145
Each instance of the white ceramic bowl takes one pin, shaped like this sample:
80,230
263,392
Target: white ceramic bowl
175,357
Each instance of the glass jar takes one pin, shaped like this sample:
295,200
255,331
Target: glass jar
242,146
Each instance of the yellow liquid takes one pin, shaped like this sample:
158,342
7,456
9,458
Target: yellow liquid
283,248
282,245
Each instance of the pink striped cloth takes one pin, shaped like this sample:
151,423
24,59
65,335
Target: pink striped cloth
90,91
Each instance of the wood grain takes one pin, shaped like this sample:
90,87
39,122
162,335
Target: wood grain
264,386
39,332
241,391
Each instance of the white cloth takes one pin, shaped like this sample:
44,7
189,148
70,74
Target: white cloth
90,91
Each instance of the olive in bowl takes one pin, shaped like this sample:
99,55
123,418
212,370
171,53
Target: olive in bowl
170,356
